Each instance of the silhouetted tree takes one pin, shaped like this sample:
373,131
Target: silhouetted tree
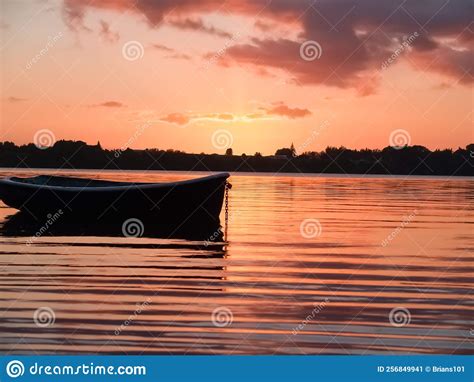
411,160
289,152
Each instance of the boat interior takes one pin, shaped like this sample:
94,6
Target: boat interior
62,181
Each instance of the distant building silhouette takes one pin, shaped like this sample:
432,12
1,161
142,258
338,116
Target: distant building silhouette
288,152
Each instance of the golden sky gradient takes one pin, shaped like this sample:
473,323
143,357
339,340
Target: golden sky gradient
169,74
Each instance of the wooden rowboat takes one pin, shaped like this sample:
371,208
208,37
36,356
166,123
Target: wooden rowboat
196,201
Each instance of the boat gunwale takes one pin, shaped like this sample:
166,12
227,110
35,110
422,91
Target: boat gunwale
121,187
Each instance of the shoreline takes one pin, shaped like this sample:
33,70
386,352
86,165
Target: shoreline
242,173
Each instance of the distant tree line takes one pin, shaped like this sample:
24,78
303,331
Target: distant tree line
414,160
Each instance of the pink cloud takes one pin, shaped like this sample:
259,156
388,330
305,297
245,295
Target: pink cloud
285,111
275,110
176,118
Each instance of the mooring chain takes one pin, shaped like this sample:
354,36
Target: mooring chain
228,186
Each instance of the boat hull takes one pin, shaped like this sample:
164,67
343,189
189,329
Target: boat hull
198,201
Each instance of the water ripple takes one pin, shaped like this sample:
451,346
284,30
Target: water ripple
385,244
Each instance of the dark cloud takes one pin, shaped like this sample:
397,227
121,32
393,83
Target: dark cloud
448,62
263,26
172,52
16,99
356,37
424,44
180,56
114,104
163,48
199,26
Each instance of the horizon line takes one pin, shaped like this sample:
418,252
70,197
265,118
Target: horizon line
123,148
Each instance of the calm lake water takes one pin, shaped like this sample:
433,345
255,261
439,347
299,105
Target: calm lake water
313,265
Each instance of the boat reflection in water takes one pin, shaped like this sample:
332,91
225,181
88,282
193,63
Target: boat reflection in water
23,224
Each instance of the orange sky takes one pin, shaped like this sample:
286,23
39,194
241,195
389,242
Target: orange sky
170,74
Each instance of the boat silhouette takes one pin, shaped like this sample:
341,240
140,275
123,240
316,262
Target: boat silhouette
185,205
